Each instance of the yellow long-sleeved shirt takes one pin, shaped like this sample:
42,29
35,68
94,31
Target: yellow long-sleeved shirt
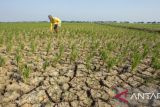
53,21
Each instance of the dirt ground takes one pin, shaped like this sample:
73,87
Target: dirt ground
74,86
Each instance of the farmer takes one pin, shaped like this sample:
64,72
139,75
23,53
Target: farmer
54,21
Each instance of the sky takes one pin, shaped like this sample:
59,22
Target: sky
80,10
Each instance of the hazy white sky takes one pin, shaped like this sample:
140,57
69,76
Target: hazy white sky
84,10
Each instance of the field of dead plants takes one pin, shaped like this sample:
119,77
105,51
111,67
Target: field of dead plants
78,67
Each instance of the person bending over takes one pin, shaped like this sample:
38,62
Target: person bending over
54,21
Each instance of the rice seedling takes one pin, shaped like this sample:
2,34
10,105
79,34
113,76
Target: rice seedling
48,47
74,53
136,58
103,54
25,71
94,46
1,40
88,61
145,50
32,46
156,63
18,58
46,64
156,57
2,61
111,62
21,45
110,46
58,55
9,47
